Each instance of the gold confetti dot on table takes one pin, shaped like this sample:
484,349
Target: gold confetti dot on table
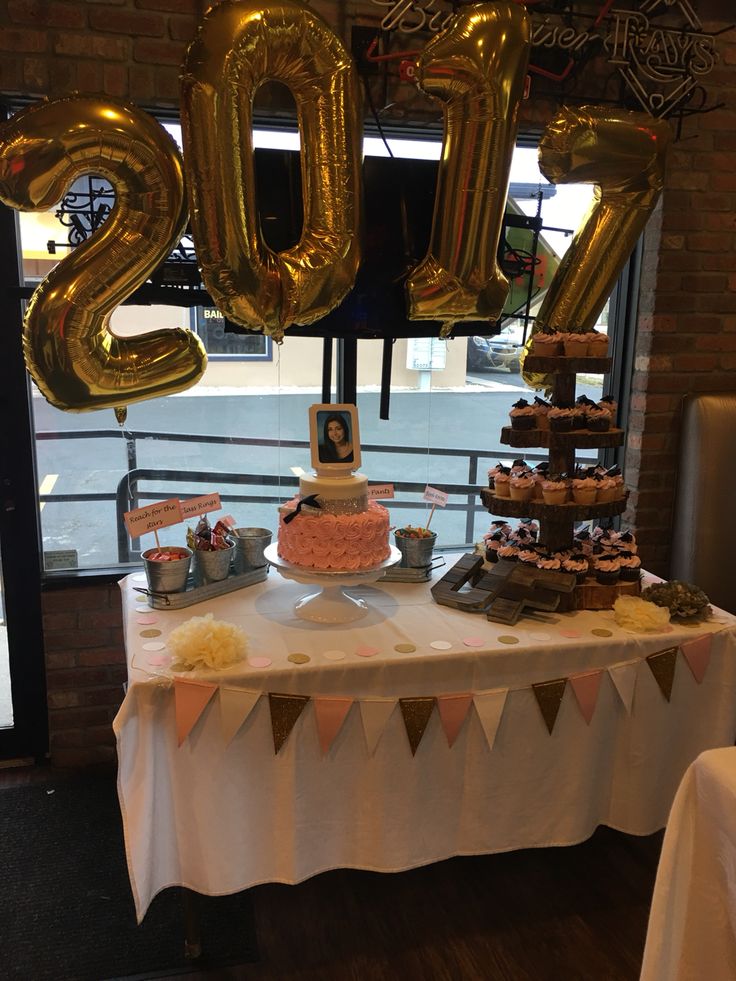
299,658
404,648
508,639
151,633
600,632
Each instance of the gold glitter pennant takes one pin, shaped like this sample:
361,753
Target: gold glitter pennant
663,665
416,712
285,710
549,698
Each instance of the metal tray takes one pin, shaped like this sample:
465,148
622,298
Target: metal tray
197,594
423,573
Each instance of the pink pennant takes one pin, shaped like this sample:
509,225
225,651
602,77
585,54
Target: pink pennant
330,714
585,686
190,699
453,709
697,655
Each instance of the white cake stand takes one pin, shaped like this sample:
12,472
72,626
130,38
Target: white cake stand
330,604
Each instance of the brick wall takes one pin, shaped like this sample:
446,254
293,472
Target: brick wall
686,338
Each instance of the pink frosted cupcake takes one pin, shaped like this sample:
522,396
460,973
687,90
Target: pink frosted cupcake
493,543
549,562
606,490
610,403
527,556
584,491
560,420
503,526
547,345
599,419
579,417
627,540
541,408
509,552
499,468
630,566
522,415
576,565
502,484
597,344
554,491
607,568
522,487
576,345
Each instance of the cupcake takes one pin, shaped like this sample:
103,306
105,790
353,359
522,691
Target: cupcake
493,543
522,536
546,344
576,345
502,483
607,568
579,417
597,344
509,552
627,541
541,408
576,565
503,526
610,403
598,532
519,466
630,566
560,420
584,542
599,419
527,556
530,525
522,415
522,487
584,491
499,468
549,562
554,491
606,490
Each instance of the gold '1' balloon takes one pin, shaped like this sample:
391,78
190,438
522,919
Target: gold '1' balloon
477,67
240,44
623,154
70,352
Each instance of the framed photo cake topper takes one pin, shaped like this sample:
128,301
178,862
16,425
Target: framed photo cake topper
334,437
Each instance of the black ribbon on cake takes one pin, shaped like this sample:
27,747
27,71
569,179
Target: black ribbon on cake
310,501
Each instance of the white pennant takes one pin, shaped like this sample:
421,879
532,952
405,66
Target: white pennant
489,707
375,713
235,707
624,678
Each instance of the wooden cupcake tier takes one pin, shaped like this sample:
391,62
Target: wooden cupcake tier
505,507
580,439
594,596
559,364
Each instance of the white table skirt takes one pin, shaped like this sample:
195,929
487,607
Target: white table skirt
692,925
219,818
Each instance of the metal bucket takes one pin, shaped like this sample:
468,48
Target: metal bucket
249,546
167,577
415,552
212,566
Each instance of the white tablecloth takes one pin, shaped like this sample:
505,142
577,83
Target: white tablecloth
692,925
219,818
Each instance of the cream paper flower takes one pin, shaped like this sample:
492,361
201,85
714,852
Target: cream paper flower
203,642
634,613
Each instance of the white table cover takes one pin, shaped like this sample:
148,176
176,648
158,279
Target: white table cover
220,818
692,924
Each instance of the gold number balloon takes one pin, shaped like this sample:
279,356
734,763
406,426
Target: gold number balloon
477,67
72,355
239,46
623,154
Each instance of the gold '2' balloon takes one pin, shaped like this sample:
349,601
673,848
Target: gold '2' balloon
623,154
72,355
240,45
477,67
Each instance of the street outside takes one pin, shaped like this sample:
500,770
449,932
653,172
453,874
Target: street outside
468,419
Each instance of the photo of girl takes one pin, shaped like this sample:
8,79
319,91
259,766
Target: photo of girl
334,437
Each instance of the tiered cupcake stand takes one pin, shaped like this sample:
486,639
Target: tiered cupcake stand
557,521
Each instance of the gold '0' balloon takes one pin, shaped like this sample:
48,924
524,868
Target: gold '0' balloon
72,355
239,46
477,67
623,154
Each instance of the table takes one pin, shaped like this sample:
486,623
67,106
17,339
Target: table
692,925
219,816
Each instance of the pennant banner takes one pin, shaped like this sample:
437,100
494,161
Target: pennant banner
416,712
489,707
663,665
285,710
330,714
623,677
190,699
586,687
375,713
235,707
453,710
697,654
549,698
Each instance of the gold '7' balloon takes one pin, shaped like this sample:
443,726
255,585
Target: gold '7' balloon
70,351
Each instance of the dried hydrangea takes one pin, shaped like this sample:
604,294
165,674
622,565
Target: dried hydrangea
682,599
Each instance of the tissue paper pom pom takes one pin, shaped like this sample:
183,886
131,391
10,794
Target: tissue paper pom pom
203,642
634,613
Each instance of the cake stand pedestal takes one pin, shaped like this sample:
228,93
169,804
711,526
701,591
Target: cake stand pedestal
330,603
